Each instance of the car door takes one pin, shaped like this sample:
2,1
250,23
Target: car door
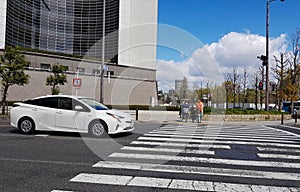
67,118
45,113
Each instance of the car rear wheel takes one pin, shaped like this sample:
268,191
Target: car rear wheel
26,125
98,129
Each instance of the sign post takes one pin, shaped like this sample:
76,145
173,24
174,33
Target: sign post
77,82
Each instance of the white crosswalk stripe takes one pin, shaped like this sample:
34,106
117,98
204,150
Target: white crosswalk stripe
173,183
60,191
236,158
197,170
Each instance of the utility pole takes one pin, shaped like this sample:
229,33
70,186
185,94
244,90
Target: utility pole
267,53
103,53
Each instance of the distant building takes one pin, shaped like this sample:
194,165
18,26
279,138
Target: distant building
69,32
178,85
171,92
182,89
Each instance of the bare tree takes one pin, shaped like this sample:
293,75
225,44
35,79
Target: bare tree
279,72
235,85
244,84
294,66
228,84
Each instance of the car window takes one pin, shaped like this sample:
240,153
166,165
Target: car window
84,108
33,102
65,103
93,103
49,102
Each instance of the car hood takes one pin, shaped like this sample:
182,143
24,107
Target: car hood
119,113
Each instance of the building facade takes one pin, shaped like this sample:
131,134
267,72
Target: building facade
70,32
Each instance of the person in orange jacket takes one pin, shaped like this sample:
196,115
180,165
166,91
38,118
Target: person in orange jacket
200,106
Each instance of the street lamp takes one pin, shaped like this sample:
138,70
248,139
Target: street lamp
103,52
267,53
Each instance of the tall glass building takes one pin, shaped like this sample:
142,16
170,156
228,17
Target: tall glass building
61,31
66,26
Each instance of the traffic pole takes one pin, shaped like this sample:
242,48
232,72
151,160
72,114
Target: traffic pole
137,114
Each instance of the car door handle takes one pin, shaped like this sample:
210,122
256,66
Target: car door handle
59,112
34,109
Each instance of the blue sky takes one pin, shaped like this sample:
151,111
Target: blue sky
209,20
232,31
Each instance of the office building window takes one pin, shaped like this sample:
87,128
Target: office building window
80,70
45,66
96,72
69,27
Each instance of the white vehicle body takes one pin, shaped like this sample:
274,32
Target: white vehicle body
70,114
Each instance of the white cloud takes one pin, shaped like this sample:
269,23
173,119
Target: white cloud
234,49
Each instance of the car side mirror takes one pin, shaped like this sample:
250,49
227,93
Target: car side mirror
78,108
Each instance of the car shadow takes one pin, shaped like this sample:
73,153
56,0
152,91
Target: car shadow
120,135
70,134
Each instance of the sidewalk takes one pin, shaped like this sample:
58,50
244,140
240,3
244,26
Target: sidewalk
173,117
4,118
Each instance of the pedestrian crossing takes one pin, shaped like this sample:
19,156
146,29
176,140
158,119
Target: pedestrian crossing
204,158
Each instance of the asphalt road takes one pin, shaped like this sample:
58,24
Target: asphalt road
185,157
46,161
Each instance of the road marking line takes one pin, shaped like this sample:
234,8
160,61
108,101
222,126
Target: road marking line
206,141
231,129
278,156
150,182
222,135
284,131
198,170
240,129
277,149
202,152
60,191
205,136
102,179
294,127
183,145
179,144
179,184
249,130
41,135
253,131
207,160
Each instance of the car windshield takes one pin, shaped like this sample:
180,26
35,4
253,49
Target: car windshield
93,103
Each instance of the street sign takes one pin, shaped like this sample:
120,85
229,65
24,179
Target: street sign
77,82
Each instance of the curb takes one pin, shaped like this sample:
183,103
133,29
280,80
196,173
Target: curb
4,118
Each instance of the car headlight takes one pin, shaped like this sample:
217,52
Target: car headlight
115,116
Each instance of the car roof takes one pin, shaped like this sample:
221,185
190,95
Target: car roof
60,95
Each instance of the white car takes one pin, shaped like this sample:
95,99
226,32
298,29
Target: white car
70,114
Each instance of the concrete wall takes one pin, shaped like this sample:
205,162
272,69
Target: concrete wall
3,4
119,91
138,33
128,85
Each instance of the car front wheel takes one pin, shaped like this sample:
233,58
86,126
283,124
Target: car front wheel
98,128
26,125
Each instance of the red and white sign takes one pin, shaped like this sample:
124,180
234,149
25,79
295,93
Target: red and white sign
77,82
